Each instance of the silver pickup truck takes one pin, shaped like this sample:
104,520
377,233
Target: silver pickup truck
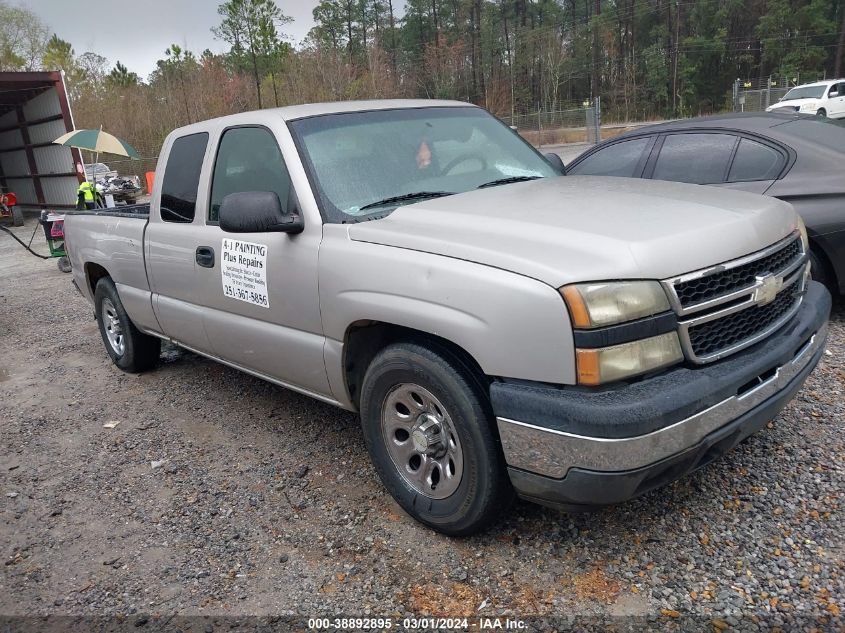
501,328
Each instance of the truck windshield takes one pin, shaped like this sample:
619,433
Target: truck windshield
805,92
366,164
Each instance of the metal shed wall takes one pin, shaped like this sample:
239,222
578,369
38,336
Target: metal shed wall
34,111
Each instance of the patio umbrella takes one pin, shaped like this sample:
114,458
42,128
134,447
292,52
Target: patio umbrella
97,141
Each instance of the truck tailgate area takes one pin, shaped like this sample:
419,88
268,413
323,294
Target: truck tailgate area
112,242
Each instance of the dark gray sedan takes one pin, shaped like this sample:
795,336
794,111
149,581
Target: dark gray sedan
797,158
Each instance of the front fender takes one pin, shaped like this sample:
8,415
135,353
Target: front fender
513,326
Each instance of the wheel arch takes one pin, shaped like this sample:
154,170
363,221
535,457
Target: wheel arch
817,248
364,339
93,273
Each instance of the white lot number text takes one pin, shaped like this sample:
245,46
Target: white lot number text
244,271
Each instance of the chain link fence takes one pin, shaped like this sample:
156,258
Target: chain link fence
133,167
575,125
755,95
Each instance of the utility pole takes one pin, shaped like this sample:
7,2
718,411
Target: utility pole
840,49
596,70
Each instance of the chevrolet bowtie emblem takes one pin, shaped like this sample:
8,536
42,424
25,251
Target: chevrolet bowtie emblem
768,288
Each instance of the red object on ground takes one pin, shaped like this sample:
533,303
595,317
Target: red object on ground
10,199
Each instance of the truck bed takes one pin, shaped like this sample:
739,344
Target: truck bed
111,240
125,211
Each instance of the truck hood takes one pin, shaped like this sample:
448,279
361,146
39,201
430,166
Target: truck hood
587,228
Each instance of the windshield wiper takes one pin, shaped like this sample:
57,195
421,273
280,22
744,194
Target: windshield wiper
504,181
418,195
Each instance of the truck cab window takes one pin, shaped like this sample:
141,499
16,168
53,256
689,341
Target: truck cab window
248,159
182,177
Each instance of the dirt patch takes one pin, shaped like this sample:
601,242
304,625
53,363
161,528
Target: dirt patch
446,600
595,585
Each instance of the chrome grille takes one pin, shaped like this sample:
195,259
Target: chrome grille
713,336
720,283
726,308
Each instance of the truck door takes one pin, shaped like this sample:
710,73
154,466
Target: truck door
172,239
261,296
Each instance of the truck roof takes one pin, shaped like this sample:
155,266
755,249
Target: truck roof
291,113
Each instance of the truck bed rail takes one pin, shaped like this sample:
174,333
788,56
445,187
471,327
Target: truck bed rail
141,211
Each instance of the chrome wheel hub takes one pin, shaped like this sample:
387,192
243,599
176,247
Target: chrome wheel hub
426,436
114,331
422,441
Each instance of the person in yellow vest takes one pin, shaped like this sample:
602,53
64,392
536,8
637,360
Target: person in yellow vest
89,196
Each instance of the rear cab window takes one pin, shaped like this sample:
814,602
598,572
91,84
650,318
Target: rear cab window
182,177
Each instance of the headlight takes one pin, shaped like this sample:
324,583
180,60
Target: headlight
606,364
599,304
596,305
803,230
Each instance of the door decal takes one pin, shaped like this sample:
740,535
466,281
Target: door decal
243,267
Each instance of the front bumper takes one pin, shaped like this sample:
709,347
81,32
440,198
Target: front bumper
574,447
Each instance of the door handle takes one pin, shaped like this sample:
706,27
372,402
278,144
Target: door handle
205,256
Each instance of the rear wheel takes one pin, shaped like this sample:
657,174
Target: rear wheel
429,430
128,347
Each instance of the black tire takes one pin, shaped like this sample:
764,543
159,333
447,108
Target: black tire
139,351
821,112
819,270
484,491
64,264
17,216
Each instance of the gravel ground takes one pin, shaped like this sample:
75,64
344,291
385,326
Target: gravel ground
219,495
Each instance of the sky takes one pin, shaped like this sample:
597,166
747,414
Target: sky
136,32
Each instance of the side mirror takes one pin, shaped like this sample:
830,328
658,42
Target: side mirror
257,212
555,161
833,94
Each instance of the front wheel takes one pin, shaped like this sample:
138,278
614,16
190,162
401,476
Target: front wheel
128,347
821,112
430,433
